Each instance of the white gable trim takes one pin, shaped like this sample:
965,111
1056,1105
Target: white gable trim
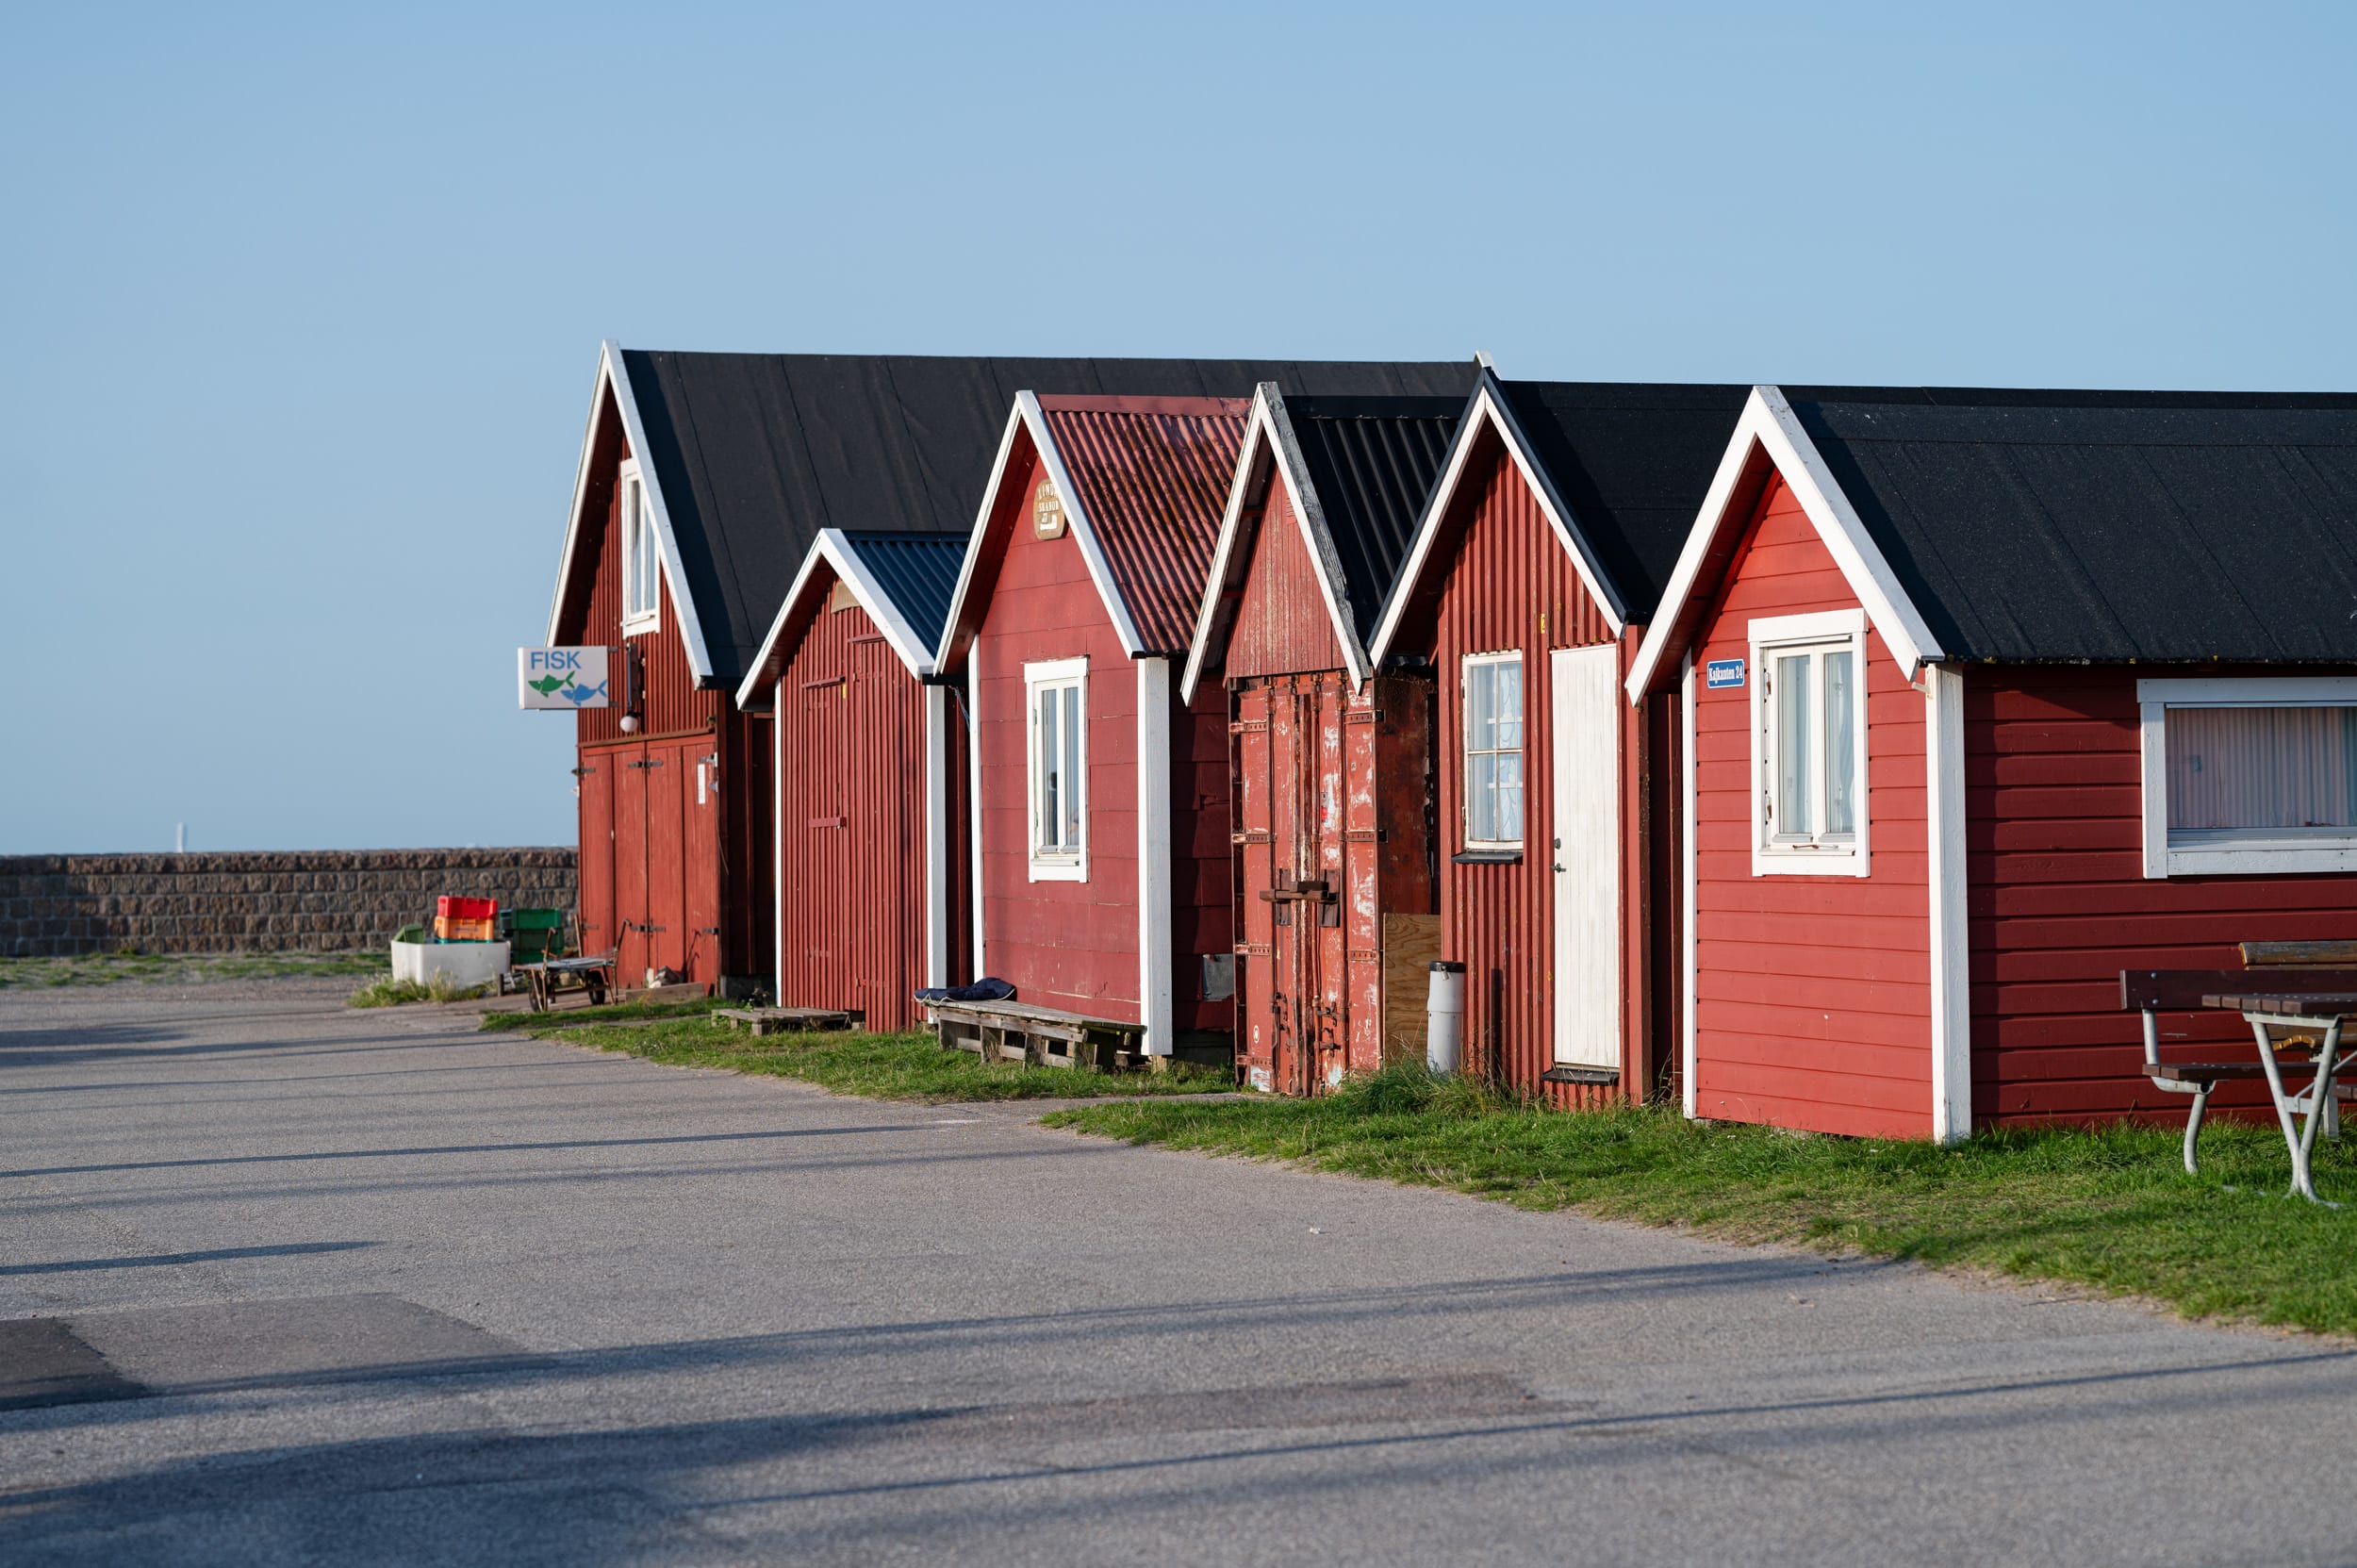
1028,415
842,556
612,379
1271,424
1769,427
1490,409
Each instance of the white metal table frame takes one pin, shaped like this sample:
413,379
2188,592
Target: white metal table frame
2317,1102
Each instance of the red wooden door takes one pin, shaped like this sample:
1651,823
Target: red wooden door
667,858
628,765
699,810
594,780
1255,990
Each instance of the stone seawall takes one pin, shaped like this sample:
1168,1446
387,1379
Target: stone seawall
324,900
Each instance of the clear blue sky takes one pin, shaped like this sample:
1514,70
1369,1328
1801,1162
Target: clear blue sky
302,305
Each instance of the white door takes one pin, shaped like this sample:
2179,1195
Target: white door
1587,840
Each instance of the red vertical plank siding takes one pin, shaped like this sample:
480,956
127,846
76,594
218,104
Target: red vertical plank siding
1064,944
1509,583
851,855
1201,873
725,879
1813,993
2059,903
1281,625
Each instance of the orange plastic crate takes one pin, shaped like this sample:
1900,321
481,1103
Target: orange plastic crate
448,930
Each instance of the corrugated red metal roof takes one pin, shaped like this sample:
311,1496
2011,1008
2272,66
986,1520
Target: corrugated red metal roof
1152,475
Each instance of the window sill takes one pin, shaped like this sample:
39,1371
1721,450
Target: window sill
641,626
2255,861
1059,870
1564,1072
1487,857
1806,863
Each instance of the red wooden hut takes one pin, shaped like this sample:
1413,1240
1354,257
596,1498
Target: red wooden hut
703,479
1336,913
1100,801
1991,696
1539,556
871,776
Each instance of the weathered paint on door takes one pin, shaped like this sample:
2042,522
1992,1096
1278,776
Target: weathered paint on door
699,859
595,779
1585,835
1332,841
666,862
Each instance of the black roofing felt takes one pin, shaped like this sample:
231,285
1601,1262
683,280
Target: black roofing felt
918,572
755,453
1372,462
2108,526
1632,462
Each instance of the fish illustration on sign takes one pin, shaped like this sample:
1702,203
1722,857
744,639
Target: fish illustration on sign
582,694
546,683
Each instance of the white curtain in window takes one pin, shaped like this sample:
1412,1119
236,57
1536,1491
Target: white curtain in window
2262,767
1840,745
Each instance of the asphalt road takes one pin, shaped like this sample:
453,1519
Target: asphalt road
281,1283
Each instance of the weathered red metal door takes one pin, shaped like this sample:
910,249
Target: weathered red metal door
629,937
1292,960
1255,990
593,779
1324,1000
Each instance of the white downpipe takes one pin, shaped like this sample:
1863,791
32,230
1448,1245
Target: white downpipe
1156,999
1690,893
937,835
974,790
1951,952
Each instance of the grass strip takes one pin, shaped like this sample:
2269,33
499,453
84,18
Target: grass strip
395,993
2108,1208
880,1066
132,965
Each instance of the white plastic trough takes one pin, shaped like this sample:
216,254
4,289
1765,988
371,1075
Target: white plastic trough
459,962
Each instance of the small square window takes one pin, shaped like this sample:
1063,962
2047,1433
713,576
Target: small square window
1808,744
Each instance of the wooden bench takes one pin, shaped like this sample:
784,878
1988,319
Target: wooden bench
789,1020
1042,1036
2153,992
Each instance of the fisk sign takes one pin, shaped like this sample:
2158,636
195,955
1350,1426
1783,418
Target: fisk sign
561,678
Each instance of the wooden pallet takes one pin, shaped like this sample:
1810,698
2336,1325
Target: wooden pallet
1040,1036
789,1020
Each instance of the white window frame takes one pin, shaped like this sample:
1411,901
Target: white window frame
1059,863
2256,852
1767,637
1465,841
639,621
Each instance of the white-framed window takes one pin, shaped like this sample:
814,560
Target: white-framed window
2248,776
1808,744
1056,733
642,559
1492,685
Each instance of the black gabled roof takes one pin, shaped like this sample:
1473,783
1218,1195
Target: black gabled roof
918,572
755,453
2107,526
1372,462
1631,462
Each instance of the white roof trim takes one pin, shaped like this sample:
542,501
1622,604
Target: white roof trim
1028,416
974,538
1271,422
615,378
842,556
1487,407
1768,426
